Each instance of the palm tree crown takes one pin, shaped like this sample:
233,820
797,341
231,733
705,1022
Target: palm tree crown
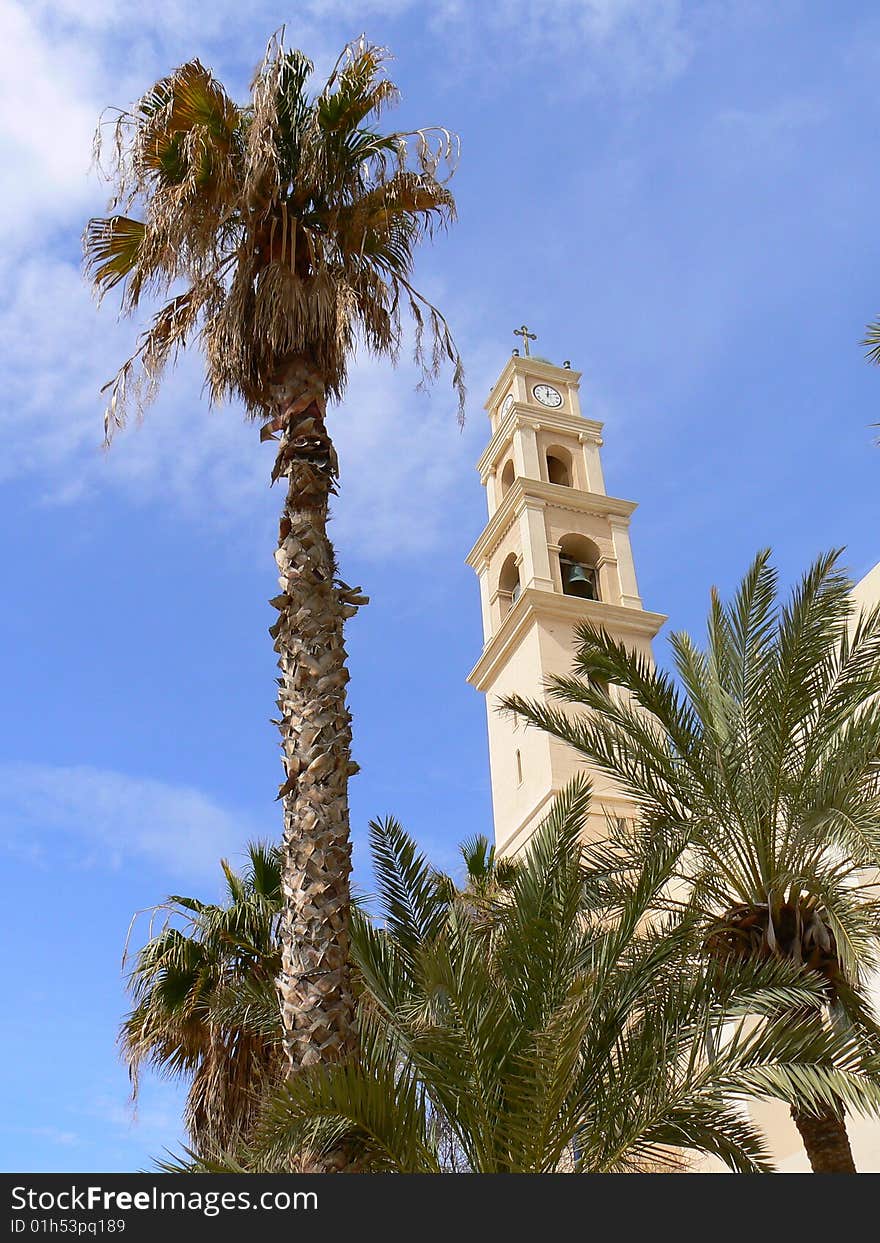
290,223
196,985
760,767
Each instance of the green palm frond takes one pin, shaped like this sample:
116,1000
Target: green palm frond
414,909
205,1007
872,341
578,1035
373,1108
576,1030
754,773
113,250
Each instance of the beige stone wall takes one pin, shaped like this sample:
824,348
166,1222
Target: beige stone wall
545,764
514,800
866,593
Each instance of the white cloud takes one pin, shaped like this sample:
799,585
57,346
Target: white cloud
760,142
401,452
156,1123
769,125
62,61
94,817
402,455
47,117
54,1135
613,45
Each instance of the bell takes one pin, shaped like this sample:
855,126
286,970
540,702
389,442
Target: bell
580,581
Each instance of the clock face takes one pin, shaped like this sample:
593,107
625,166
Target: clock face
547,395
508,402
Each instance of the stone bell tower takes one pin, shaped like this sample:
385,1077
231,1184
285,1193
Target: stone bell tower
554,552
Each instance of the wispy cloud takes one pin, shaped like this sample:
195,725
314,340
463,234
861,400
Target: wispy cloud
47,115
54,1135
69,59
91,817
401,452
770,126
619,46
155,1122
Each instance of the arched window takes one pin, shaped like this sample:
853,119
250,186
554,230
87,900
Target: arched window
508,584
559,466
578,564
507,477
519,774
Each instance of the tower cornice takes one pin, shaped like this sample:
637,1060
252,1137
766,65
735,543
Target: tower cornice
534,366
534,604
520,415
522,491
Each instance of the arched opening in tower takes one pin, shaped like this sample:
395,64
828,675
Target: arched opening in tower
508,584
579,567
559,466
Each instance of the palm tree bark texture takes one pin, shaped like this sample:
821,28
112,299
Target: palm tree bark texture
826,1141
315,724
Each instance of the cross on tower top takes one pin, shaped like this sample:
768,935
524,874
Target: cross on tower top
526,337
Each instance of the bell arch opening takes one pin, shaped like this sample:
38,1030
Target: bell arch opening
508,584
559,466
507,477
579,567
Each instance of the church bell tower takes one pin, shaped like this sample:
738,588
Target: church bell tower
554,552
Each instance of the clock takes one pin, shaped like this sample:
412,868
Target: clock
508,402
547,395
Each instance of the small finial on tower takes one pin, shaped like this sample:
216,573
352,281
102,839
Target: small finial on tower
567,364
526,337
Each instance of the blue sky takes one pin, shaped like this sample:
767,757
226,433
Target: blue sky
680,198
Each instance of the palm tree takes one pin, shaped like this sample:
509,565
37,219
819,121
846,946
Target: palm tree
488,879
198,985
872,340
281,232
760,769
567,1034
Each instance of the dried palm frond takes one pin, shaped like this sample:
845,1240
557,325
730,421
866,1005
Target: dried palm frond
291,222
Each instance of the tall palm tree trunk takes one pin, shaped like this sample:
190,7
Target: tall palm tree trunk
315,981
826,1141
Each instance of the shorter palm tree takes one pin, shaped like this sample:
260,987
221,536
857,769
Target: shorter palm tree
567,1032
201,988
488,879
760,771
